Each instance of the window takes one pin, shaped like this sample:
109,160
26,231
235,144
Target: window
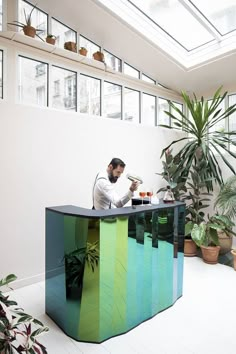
148,79
63,33
32,88
90,95
176,114
112,61
40,69
112,100
65,83
220,126
149,109
89,45
1,74
163,106
39,18
232,117
131,105
0,15
129,70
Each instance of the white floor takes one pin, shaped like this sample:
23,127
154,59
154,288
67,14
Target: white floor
201,322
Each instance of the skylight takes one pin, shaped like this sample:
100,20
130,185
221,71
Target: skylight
190,31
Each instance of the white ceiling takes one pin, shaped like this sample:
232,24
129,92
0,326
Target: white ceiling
103,27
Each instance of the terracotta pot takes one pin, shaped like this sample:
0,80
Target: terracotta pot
225,242
29,31
51,40
210,254
70,46
98,56
190,248
83,51
234,259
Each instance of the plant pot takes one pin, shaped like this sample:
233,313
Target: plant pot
225,242
190,248
70,46
51,40
210,254
234,259
29,31
98,56
83,51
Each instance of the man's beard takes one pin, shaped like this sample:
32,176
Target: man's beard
112,179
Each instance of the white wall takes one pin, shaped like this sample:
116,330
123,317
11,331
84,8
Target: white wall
50,158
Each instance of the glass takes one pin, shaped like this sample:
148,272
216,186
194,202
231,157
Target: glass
129,70
148,79
142,193
112,61
64,95
131,105
150,194
32,83
112,100
163,106
63,33
149,109
90,95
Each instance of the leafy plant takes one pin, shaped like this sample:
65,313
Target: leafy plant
202,141
51,36
75,263
18,330
226,199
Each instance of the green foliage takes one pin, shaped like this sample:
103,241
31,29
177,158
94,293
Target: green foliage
226,199
202,141
18,331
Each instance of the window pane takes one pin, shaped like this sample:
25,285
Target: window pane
148,79
32,85
1,74
163,106
176,114
232,117
220,126
221,14
129,70
38,17
112,100
90,46
112,61
0,15
90,95
169,16
149,109
131,105
62,33
64,86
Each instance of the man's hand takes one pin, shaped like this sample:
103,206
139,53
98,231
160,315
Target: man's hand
134,186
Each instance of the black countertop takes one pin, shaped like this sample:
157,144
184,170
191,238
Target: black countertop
73,210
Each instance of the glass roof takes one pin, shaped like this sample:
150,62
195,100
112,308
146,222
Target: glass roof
182,28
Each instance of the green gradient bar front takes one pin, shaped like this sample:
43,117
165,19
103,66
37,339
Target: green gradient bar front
108,271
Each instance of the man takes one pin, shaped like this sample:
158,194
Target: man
104,195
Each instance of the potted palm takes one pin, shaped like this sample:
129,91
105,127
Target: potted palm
27,27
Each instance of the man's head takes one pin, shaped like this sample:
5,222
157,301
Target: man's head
115,169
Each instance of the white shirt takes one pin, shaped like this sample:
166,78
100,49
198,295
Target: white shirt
105,196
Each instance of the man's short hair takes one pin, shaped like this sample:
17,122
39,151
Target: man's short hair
115,162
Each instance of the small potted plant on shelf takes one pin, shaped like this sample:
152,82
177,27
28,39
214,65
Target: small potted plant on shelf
83,51
51,39
98,56
27,27
18,331
72,46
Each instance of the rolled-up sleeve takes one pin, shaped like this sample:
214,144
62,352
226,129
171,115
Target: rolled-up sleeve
107,195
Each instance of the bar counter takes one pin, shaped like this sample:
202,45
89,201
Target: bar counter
137,270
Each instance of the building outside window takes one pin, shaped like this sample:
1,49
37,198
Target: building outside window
0,15
131,105
32,87
65,88
39,18
62,33
89,45
129,70
90,95
162,117
112,100
1,74
112,61
149,109
148,79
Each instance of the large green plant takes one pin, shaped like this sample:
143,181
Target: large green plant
18,331
202,141
226,199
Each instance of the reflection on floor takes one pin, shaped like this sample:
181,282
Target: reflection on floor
199,323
